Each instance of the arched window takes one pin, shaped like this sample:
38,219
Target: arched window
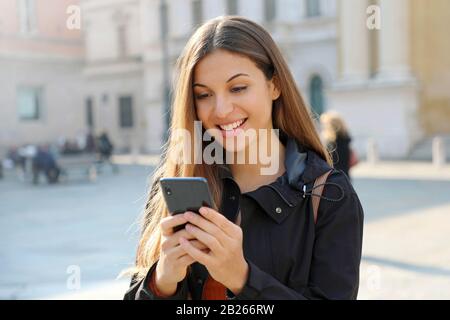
316,98
312,8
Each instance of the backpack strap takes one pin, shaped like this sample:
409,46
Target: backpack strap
319,184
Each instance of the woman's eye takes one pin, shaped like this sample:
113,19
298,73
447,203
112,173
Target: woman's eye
202,96
238,89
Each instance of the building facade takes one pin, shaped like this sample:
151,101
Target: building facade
381,80
113,71
40,63
390,83
393,81
133,65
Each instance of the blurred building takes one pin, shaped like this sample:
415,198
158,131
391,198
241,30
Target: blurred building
393,82
390,84
114,73
40,72
384,81
124,54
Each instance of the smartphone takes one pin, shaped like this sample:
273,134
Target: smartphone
185,194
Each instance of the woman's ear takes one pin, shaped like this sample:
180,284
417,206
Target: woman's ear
275,88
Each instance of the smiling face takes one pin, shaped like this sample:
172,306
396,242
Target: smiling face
232,95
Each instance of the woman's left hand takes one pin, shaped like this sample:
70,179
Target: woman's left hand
225,261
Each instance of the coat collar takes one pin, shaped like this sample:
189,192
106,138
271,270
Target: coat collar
303,165
282,196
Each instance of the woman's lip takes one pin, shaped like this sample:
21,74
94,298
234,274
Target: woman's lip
231,122
234,132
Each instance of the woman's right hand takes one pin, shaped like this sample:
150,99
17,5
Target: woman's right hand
173,261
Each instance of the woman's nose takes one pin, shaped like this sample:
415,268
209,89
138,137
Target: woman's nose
223,107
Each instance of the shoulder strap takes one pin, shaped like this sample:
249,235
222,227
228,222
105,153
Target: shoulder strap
317,192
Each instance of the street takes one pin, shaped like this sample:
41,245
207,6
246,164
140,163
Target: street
47,228
51,233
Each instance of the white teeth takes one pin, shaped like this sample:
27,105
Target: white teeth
231,126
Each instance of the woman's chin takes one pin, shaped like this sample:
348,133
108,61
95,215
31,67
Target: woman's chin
235,149
236,145
237,142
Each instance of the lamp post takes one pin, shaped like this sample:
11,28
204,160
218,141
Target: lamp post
165,66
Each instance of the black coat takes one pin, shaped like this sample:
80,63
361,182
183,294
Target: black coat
289,256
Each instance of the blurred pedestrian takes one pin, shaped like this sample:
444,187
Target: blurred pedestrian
17,158
337,139
90,142
105,148
20,157
45,162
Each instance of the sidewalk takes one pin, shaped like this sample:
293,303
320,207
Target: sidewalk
407,257
405,250
409,170
139,159
403,258
112,290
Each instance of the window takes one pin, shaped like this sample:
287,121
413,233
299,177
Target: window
197,12
316,94
89,113
270,10
27,16
122,40
105,98
126,111
312,8
232,7
29,103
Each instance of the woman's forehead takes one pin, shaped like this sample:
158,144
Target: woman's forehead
220,65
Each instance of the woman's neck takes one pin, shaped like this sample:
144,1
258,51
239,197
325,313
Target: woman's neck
268,167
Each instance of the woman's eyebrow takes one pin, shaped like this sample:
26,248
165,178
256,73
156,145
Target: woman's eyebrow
237,75
233,77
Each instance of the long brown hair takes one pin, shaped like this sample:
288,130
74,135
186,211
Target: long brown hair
241,36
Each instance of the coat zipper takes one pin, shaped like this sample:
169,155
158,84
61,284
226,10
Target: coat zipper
276,190
272,187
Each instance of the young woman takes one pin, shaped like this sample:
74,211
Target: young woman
260,241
